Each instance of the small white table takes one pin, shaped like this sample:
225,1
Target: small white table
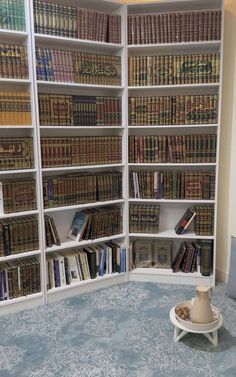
180,330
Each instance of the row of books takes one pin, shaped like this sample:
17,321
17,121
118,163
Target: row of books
12,15
18,235
204,220
17,195
95,223
144,218
194,256
77,67
69,110
173,110
173,149
19,278
172,184
15,109
73,151
16,153
80,264
73,22
13,61
174,69
99,26
174,27
77,188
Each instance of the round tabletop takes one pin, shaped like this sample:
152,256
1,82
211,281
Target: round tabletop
176,323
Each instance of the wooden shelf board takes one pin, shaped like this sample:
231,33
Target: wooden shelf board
17,214
71,243
171,234
25,254
85,205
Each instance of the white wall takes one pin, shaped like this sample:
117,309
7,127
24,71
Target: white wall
227,173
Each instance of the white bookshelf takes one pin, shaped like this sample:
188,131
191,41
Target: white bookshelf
171,210
63,215
23,38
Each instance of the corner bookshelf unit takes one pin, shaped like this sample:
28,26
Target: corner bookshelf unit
165,56
77,109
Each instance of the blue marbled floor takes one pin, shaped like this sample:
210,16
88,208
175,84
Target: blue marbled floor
121,331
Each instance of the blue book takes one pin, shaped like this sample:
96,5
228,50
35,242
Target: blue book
122,259
78,225
102,264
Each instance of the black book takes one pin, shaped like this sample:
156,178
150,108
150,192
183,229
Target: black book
67,272
179,258
7,239
91,256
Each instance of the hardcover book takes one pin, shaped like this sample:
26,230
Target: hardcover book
162,254
185,221
142,250
77,226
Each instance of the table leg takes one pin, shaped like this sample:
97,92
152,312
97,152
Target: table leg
213,337
179,334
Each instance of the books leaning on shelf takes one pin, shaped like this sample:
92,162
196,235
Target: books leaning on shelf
16,153
17,195
68,110
75,151
96,223
173,110
189,184
194,256
185,221
174,69
12,15
15,109
173,149
144,218
72,22
174,27
80,264
18,235
51,234
146,253
19,278
77,67
78,225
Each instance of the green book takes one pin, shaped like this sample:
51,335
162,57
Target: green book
206,257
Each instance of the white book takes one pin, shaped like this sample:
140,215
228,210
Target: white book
73,268
60,258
